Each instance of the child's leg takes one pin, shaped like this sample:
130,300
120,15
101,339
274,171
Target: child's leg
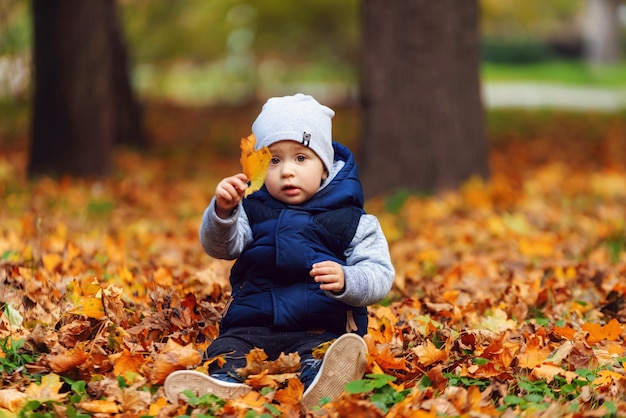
221,381
232,348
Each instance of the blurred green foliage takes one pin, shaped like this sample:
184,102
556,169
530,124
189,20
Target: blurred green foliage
568,72
528,19
206,30
15,32
234,47
222,51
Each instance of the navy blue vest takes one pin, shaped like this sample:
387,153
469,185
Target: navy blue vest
270,280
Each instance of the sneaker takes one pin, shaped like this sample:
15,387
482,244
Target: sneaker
344,362
200,384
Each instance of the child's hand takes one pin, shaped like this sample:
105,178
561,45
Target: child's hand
330,275
228,193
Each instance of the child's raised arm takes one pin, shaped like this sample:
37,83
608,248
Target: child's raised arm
229,193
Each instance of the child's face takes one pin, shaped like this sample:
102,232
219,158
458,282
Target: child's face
295,172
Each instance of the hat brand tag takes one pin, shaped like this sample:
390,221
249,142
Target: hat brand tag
306,139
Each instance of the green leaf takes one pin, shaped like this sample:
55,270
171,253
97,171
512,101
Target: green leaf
513,400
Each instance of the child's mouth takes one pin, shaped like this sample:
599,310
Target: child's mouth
290,189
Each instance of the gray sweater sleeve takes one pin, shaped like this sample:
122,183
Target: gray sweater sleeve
368,273
225,238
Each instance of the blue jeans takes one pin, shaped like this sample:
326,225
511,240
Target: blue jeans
234,344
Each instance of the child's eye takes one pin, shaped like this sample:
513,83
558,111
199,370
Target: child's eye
301,158
274,160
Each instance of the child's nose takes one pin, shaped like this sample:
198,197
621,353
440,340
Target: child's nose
287,170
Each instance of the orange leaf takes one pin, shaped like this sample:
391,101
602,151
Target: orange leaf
547,372
51,261
171,358
533,356
156,406
126,362
67,360
565,332
11,399
429,354
597,333
99,406
86,299
254,163
290,395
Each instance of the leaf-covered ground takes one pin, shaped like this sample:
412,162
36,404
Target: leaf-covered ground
509,298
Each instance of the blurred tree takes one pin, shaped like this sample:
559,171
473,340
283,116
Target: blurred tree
602,31
83,103
423,116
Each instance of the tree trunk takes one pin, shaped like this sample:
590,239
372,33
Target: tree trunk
423,117
602,32
129,115
77,110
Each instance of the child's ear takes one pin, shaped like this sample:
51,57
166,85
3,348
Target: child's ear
324,175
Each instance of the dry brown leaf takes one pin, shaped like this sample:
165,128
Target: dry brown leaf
171,358
67,359
256,363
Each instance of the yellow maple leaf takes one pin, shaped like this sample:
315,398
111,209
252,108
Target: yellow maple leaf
51,261
606,377
86,299
48,390
254,163
156,406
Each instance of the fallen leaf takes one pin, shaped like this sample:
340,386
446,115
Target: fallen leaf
12,399
598,333
67,359
126,361
99,406
291,394
429,354
547,372
86,299
171,358
606,377
254,163
256,363
47,390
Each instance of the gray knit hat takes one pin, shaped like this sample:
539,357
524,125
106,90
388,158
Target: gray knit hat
300,118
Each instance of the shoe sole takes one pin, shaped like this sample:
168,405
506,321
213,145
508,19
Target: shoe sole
200,384
344,362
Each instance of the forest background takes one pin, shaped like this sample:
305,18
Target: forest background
509,295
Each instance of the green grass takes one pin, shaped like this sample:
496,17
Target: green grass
573,73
